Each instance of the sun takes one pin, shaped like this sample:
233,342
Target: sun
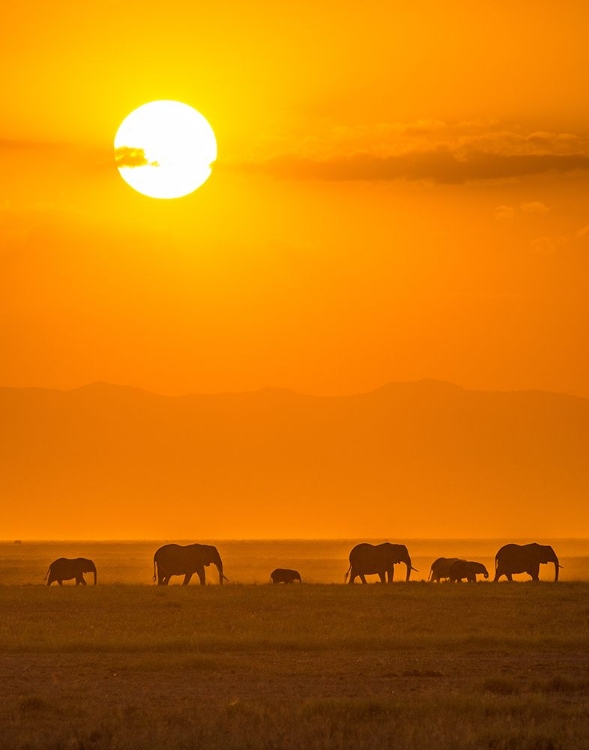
165,149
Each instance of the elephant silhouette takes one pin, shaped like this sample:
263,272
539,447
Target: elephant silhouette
468,569
377,559
524,558
185,560
285,575
64,569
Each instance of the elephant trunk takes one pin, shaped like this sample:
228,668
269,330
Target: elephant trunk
95,575
556,567
220,569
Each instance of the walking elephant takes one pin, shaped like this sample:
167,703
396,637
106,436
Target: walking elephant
467,569
285,575
185,560
524,558
377,559
441,568
64,569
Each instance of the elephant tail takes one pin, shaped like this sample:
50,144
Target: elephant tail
347,573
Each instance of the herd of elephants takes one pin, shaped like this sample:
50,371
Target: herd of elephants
365,559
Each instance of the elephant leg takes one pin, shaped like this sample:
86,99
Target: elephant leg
187,578
80,580
382,577
59,581
362,577
200,572
534,571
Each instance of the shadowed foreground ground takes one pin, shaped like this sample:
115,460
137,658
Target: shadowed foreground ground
405,666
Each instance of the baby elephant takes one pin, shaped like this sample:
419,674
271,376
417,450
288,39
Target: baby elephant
65,569
467,569
284,575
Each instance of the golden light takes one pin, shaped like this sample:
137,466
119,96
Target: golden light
165,149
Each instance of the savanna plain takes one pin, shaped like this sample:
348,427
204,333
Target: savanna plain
127,664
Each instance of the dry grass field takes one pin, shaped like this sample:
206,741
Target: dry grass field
409,666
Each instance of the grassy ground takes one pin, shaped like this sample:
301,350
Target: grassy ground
495,666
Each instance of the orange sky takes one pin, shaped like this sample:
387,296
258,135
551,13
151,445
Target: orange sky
402,192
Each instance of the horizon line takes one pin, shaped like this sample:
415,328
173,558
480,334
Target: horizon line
23,540
281,389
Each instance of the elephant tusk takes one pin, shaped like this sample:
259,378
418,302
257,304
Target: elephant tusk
561,566
415,569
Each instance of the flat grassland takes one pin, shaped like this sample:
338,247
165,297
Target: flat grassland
437,666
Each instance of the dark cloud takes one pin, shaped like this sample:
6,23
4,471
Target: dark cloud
440,165
127,156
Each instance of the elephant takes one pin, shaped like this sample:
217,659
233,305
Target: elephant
285,575
64,569
377,559
524,558
177,560
441,568
467,569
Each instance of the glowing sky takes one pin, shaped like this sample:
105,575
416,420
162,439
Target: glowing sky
402,192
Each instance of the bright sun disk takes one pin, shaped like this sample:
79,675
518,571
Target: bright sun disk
164,149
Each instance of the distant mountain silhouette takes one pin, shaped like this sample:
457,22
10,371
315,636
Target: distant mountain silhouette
407,460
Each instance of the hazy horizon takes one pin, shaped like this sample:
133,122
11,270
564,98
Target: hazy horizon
425,459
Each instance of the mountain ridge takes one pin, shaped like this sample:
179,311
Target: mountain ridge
98,385
411,459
